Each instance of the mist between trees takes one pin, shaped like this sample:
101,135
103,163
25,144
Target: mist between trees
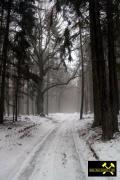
60,56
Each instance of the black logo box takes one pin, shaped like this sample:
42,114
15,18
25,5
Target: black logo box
98,165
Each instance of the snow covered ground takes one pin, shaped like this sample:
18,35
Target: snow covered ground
104,151
57,147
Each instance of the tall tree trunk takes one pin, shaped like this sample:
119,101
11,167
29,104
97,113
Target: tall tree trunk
7,98
40,101
113,83
1,26
28,100
13,99
13,113
82,70
17,88
47,103
95,74
33,106
16,99
4,61
2,12
1,30
98,56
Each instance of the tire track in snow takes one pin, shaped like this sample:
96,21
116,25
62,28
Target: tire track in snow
55,159
28,165
68,164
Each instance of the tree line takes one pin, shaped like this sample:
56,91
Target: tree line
35,44
101,20
30,55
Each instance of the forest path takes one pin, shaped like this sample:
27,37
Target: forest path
56,157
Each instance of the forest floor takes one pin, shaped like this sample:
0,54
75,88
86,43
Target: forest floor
57,147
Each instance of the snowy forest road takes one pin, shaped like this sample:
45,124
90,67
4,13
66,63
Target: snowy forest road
55,159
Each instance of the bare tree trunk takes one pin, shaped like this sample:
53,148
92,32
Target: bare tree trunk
1,27
13,113
17,89
86,96
40,101
113,83
98,56
95,74
90,89
7,98
47,104
28,101
48,90
82,70
16,99
2,12
13,99
33,104
4,61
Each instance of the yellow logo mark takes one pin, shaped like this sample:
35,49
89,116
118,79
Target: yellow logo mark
110,169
